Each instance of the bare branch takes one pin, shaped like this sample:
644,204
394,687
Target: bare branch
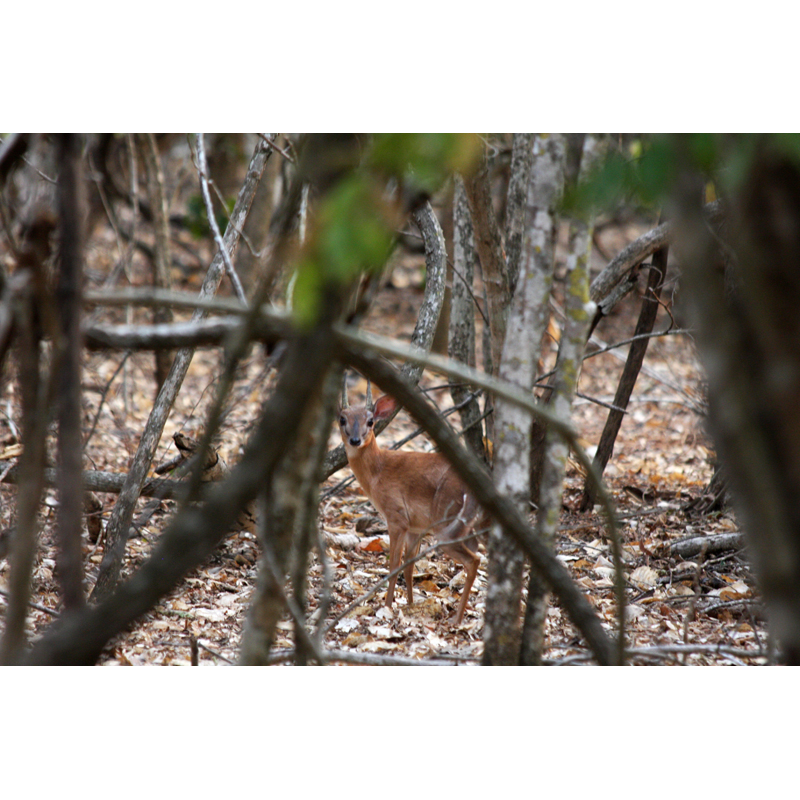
636,252
202,169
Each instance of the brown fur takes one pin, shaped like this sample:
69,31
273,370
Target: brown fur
416,493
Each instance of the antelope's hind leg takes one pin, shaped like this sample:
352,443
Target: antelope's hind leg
412,548
470,559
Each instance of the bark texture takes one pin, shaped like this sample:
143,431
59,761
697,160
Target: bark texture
162,261
461,346
489,244
520,356
579,311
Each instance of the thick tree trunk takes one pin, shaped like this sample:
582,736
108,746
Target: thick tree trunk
749,341
517,204
521,351
578,310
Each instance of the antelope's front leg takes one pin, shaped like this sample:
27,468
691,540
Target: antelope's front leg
396,547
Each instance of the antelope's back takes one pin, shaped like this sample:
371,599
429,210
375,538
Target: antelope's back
431,492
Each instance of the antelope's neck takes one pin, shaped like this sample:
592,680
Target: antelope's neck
366,462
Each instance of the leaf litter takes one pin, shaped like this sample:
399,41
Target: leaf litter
700,611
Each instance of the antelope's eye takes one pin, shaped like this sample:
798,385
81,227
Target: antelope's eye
369,422
342,421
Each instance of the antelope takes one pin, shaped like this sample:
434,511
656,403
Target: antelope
416,493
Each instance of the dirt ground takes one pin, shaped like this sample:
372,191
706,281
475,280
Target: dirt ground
702,609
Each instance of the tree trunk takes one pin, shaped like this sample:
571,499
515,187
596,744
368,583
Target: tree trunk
162,261
489,244
749,341
526,325
33,393
462,318
517,204
283,521
578,310
33,317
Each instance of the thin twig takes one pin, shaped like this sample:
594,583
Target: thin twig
271,143
215,653
103,394
46,610
34,167
202,170
665,650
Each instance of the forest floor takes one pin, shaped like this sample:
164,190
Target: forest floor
702,609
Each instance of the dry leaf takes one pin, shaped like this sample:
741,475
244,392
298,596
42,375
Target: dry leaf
211,614
634,611
13,451
645,577
737,591
378,544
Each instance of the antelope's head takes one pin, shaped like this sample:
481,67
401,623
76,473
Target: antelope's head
356,422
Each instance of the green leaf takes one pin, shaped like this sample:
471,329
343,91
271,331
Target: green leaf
426,159
197,219
351,235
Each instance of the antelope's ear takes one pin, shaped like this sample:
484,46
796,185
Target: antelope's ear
385,406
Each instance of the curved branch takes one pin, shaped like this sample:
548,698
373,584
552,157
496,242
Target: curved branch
636,252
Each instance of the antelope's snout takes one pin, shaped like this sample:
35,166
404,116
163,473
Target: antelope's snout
355,425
